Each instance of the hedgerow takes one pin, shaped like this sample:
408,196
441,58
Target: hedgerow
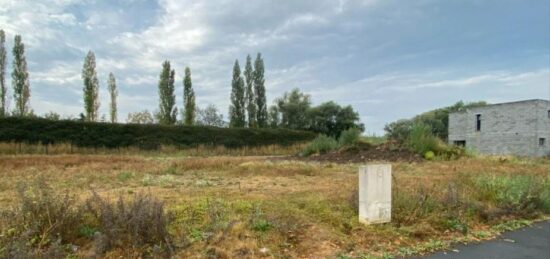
146,136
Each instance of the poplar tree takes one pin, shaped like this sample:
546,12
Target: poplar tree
167,98
249,93
91,87
188,99
3,64
259,90
20,79
113,92
237,112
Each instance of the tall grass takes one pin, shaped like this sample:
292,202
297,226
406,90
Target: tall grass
12,148
520,193
320,145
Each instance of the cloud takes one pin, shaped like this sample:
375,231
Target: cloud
389,59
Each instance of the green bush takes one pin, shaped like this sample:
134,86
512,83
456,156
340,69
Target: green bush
145,136
518,193
320,145
349,137
421,139
423,142
429,155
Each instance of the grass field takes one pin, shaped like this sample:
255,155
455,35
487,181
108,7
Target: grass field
247,207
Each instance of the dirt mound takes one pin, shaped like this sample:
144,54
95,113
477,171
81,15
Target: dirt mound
366,153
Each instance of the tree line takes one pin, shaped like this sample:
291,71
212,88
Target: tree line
248,102
19,76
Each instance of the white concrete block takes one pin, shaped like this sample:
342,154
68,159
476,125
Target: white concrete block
375,193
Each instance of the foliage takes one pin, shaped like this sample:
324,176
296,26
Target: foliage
399,130
259,91
331,119
250,96
423,142
143,117
52,116
210,116
20,79
520,193
349,137
437,120
237,110
188,99
320,145
88,134
421,139
429,155
46,224
141,222
167,99
3,64
295,112
293,107
274,119
41,221
113,92
91,87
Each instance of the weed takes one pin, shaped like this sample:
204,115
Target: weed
349,137
140,222
124,176
258,221
511,225
41,222
516,194
320,145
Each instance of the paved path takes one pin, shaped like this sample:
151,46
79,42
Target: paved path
529,242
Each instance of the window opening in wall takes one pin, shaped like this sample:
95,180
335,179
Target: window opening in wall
460,143
478,122
542,142
548,114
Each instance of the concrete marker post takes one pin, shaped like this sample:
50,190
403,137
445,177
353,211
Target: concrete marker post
375,193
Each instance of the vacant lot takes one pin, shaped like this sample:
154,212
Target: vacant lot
227,207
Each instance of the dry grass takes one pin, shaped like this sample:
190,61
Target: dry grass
12,148
234,207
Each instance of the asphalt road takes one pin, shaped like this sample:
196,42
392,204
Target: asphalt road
528,242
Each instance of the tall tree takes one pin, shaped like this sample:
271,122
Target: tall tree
3,64
188,99
114,93
237,112
167,98
294,107
259,90
20,79
249,93
210,116
91,87
274,116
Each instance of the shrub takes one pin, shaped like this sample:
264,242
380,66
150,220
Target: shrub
515,194
349,137
429,155
140,222
320,145
41,223
423,142
145,136
421,139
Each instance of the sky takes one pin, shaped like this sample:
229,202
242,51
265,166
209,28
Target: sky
389,59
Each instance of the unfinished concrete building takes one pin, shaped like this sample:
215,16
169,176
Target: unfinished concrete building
516,128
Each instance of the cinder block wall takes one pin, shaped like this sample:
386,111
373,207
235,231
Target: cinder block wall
507,128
